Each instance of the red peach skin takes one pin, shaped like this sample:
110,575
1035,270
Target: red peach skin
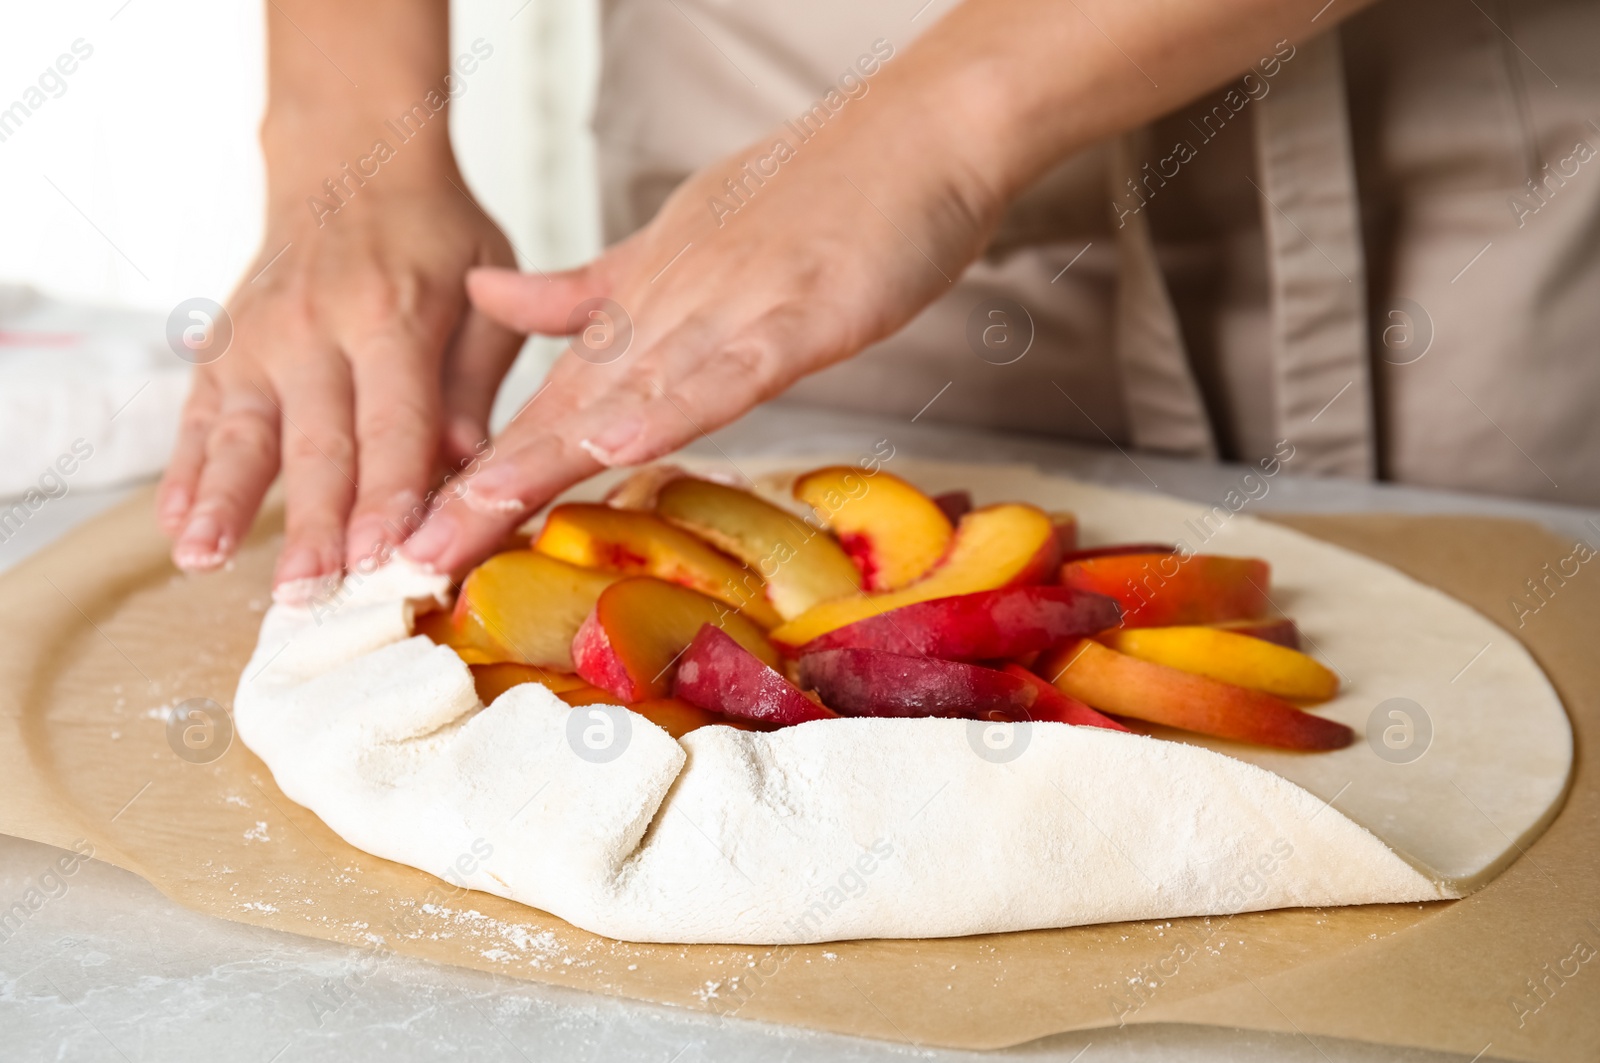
988,625
1279,630
719,675
1116,550
1066,529
1055,707
640,627
1008,545
954,504
1116,683
875,683
1156,590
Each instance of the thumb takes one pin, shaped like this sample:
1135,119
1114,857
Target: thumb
534,303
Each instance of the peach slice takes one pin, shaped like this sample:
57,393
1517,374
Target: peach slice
587,694
1054,706
1276,629
1066,524
678,717
988,625
1156,590
875,683
894,532
640,627
525,607
492,680
673,715
641,490
1116,550
440,626
801,565
997,546
719,675
1116,683
954,505
1230,657
643,544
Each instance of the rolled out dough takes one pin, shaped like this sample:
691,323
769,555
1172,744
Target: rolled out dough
919,828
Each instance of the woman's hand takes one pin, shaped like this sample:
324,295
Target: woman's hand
356,365
830,245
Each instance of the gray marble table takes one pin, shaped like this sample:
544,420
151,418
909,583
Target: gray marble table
109,969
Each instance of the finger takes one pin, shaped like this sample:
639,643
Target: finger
475,363
241,459
319,468
461,532
175,496
397,436
576,428
533,303
566,437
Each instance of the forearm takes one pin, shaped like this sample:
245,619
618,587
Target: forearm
338,72
1024,83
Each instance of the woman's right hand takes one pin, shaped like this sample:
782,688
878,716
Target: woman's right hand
357,364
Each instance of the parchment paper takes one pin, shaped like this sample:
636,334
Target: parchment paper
100,638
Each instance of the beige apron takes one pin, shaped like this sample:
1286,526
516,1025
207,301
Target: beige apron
1382,246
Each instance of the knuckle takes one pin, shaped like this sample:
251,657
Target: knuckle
195,421
399,417
749,358
383,301
241,432
288,305
336,448
644,388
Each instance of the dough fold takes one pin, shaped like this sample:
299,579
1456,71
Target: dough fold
831,830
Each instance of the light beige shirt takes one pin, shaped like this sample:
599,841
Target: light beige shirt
1382,245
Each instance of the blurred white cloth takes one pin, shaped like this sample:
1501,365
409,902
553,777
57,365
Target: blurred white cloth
102,379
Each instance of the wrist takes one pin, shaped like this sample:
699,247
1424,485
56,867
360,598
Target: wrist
409,144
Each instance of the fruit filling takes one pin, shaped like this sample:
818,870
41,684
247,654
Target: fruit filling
695,604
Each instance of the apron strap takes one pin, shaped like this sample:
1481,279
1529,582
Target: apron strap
1321,372
1164,405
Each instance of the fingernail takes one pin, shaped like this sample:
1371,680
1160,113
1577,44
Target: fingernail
493,490
299,564
201,546
495,480
431,539
604,445
368,537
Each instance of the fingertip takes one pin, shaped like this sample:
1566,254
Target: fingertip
304,573
487,274
457,537
495,290
203,545
527,303
429,543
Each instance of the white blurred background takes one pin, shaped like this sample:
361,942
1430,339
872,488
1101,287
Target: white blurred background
154,141
136,184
